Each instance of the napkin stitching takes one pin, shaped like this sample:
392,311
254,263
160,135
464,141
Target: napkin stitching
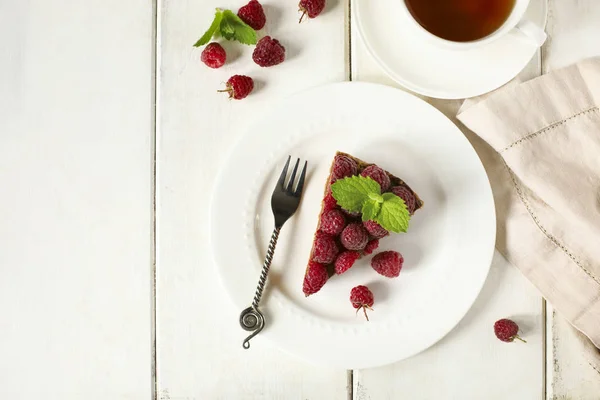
544,231
593,366
548,128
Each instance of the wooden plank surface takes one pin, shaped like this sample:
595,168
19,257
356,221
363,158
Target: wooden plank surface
573,28
76,215
570,375
198,336
76,204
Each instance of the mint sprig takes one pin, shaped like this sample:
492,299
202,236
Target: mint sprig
394,215
229,26
211,30
352,192
363,194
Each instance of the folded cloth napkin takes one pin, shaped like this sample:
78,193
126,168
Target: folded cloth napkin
543,161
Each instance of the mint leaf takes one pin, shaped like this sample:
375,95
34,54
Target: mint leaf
376,197
230,27
390,196
233,28
350,193
394,215
370,209
227,28
214,26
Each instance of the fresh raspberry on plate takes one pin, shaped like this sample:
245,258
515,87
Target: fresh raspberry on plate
213,55
354,237
378,175
343,166
332,222
375,229
253,14
507,330
362,298
371,246
388,263
239,86
314,279
345,261
409,198
324,249
268,52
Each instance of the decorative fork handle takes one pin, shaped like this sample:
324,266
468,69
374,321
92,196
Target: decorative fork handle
251,319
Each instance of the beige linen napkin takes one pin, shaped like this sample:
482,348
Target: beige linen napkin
544,168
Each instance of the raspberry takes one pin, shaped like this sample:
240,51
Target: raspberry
312,8
362,298
268,52
345,260
213,55
343,166
354,237
253,14
371,246
239,86
329,203
388,263
375,229
324,249
332,222
315,278
378,175
507,330
405,194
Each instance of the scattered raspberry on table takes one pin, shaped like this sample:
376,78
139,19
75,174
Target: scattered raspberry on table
268,52
239,86
507,330
311,8
253,14
213,55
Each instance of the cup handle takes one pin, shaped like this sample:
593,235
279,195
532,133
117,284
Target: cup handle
532,32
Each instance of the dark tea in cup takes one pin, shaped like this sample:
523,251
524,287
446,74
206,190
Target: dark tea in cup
460,20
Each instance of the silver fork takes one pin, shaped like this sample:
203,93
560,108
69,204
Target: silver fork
284,202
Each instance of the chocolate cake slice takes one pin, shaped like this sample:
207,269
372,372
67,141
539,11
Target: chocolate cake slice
342,237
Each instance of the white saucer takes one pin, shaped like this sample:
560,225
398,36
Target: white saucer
434,71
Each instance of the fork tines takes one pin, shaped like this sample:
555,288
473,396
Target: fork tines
290,186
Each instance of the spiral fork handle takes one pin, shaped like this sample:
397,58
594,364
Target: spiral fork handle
251,319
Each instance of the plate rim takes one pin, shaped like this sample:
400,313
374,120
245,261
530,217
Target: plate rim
239,144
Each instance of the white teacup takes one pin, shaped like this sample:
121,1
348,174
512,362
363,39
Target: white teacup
515,21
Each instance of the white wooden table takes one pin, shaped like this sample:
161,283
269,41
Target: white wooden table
110,135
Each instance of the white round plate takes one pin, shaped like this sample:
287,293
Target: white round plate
424,67
447,250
